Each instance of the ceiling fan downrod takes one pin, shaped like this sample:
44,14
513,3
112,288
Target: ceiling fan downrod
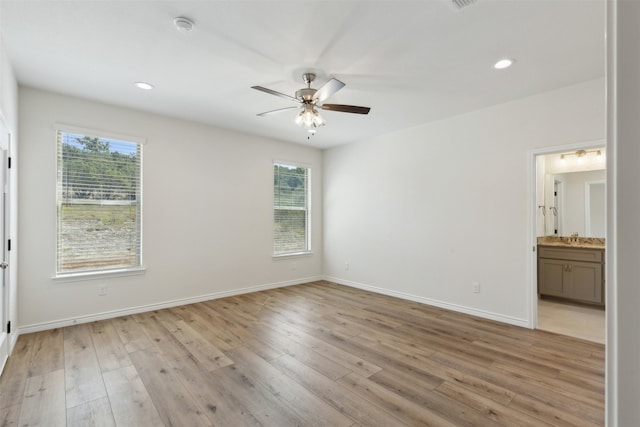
306,94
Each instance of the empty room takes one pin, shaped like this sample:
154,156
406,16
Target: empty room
319,213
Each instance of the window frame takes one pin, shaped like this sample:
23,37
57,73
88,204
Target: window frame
308,226
139,268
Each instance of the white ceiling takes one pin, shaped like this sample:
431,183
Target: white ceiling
410,61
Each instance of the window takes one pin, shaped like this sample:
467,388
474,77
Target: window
290,209
99,196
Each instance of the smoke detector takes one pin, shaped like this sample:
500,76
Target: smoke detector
460,4
182,24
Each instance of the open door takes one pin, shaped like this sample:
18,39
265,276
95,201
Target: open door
4,266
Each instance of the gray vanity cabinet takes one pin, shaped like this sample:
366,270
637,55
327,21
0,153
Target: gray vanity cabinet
571,273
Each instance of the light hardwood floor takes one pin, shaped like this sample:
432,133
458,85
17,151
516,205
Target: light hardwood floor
318,354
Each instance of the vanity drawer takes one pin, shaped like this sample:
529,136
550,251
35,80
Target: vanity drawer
571,254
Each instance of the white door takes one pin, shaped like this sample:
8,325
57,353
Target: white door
4,270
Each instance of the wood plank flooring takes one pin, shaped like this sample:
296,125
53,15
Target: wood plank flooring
317,354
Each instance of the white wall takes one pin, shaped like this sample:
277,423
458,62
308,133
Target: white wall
623,197
424,212
8,89
208,200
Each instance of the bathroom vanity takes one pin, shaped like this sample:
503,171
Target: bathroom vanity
572,269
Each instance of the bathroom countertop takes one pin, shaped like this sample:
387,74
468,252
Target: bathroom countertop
572,242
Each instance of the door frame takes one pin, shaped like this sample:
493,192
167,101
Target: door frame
532,212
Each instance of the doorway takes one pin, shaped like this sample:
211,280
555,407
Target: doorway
568,200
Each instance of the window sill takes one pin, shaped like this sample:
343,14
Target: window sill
292,255
94,275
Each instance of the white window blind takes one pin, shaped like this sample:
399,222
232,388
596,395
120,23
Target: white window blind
99,196
290,209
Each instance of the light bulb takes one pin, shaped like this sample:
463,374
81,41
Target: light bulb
143,85
308,118
503,63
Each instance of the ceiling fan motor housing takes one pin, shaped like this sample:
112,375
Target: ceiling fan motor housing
306,94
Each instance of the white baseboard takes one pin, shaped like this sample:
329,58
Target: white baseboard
441,304
13,339
7,348
4,351
36,327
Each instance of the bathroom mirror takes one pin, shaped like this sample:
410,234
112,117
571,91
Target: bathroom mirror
579,201
571,193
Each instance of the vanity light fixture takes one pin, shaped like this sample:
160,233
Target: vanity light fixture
581,155
504,63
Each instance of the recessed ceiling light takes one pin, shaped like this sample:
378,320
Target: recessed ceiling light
504,63
183,24
143,85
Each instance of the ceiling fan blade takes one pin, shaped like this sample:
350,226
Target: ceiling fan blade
279,110
345,108
327,89
273,92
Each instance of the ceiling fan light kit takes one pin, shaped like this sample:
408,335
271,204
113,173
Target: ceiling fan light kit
309,117
310,99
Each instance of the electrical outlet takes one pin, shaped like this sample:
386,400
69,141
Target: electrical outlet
346,266
476,287
102,291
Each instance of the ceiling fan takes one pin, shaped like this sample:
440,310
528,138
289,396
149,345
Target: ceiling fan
309,99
